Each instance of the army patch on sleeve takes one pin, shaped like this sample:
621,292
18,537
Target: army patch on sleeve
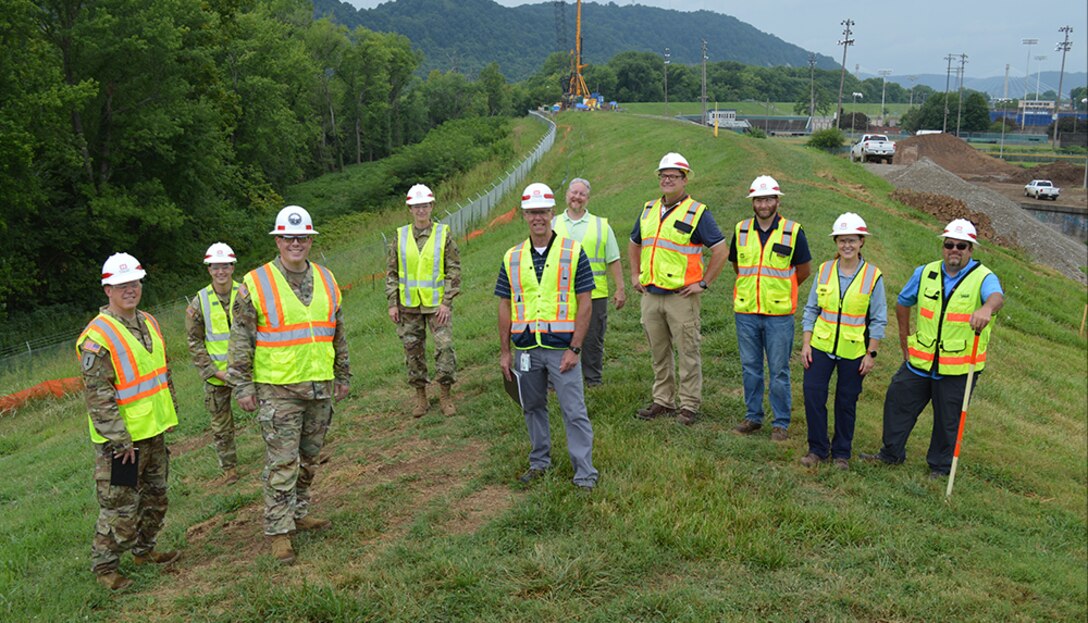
88,360
91,346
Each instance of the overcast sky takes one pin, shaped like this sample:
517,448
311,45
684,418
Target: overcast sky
908,37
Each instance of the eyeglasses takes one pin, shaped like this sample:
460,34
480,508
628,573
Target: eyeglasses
290,239
670,177
131,285
961,246
847,241
220,268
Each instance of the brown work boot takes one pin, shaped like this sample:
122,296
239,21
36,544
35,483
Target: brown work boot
654,410
310,523
229,477
842,464
779,434
747,427
422,405
113,580
445,402
281,548
687,417
158,558
810,460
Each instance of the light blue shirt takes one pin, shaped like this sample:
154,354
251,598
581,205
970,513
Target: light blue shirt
878,305
577,230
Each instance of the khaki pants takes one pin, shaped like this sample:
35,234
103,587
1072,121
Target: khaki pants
672,322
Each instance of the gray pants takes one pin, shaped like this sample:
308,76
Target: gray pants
593,346
544,365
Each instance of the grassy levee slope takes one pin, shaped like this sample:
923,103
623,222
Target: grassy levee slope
687,524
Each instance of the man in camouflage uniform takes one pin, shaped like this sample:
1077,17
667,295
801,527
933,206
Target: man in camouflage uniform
131,403
422,277
289,330
207,323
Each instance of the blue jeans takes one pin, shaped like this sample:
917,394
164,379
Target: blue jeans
847,389
758,334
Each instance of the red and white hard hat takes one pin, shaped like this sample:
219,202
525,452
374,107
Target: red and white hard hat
764,186
419,194
536,196
293,221
219,253
673,160
961,229
849,223
121,268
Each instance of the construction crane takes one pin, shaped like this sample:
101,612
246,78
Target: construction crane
576,87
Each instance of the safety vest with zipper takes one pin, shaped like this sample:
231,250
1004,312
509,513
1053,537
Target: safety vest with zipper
421,273
548,305
841,326
766,281
294,341
216,327
944,322
143,391
594,243
669,260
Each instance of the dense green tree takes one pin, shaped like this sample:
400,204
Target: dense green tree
638,76
495,90
1078,95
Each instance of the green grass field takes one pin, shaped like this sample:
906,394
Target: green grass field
687,524
753,108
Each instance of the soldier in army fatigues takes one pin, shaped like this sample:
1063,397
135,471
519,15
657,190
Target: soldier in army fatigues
422,277
207,324
131,403
288,360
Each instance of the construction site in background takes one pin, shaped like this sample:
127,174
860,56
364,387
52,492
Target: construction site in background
576,94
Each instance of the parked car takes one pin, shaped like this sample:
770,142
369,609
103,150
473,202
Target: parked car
873,148
1042,189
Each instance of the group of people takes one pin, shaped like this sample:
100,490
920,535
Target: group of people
276,342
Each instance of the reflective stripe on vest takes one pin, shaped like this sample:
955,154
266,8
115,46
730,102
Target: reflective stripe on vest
142,388
766,282
668,258
594,242
545,306
421,275
840,327
944,325
294,341
216,327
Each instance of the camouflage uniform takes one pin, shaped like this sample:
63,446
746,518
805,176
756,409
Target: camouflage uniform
414,321
216,397
129,518
294,418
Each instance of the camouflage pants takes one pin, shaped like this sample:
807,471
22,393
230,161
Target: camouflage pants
294,432
129,518
412,330
217,402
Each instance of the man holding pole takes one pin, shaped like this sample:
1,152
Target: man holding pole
956,298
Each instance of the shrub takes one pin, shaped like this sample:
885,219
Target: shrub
830,139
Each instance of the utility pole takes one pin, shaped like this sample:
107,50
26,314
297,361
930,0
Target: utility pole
913,79
947,77
959,102
884,73
845,43
1063,47
666,82
811,87
704,82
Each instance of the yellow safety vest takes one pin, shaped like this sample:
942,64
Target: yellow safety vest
840,327
294,341
421,274
766,282
143,394
669,260
548,306
947,323
216,327
594,242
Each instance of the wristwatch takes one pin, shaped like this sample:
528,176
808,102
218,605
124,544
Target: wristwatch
577,350
704,285
872,354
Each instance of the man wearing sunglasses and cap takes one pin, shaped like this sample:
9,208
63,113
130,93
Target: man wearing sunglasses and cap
956,298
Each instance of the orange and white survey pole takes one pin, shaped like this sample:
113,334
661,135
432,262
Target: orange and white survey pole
963,417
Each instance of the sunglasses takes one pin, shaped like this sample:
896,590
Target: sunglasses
291,238
961,246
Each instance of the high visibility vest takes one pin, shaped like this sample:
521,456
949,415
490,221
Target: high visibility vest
594,242
840,327
421,273
548,306
766,282
944,329
143,394
294,341
216,327
669,259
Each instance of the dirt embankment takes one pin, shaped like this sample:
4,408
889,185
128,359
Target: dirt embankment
954,155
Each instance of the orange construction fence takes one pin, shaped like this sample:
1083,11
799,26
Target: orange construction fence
56,387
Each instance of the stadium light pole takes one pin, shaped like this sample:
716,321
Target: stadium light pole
1027,70
845,43
1038,75
1063,47
854,115
666,82
1004,120
884,73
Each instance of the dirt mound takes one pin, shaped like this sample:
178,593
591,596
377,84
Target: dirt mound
954,155
1061,173
948,208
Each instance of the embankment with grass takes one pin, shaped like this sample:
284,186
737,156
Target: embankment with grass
687,524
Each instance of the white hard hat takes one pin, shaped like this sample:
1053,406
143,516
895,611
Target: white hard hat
219,253
293,221
961,229
419,194
764,186
849,223
673,160
537,195
121,268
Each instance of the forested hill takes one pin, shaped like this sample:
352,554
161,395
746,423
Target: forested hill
466,35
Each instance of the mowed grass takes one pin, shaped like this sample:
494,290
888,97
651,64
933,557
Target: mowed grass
751,107
687,524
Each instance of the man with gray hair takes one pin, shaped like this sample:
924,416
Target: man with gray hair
599,242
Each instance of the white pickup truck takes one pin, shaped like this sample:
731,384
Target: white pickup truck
1042,189
873,148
